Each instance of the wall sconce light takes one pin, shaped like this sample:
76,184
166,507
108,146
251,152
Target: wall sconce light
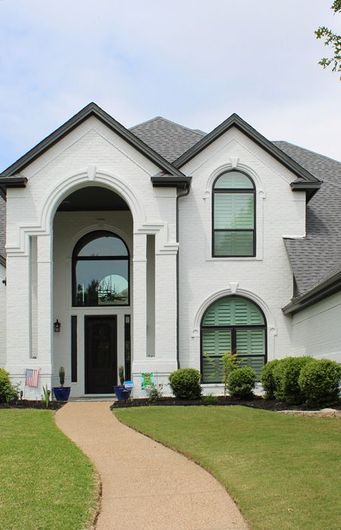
56,326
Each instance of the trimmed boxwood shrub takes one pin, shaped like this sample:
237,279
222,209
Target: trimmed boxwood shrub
267,379
7,391
286,374
241,382
185,383
319,381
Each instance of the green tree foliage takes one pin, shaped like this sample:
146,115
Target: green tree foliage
333,40
230,363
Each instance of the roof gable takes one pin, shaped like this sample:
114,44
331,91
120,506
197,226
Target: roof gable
236,121
90,110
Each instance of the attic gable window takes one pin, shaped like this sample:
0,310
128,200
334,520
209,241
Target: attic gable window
233,215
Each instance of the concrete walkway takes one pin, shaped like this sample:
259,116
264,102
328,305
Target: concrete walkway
144,484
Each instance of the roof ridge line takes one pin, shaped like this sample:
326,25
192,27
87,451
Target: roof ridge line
195,131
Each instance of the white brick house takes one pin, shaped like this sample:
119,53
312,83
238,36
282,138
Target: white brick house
160,247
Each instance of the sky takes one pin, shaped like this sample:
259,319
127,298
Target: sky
194,62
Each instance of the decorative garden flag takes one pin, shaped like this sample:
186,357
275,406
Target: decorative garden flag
32,377
147,380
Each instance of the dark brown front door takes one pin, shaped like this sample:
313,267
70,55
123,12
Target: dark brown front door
100,354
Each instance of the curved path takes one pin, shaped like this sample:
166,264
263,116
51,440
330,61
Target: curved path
144,484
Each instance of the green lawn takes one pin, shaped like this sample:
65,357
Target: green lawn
283,471
45,481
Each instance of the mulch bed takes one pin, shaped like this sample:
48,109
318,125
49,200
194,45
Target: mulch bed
32,404
257,402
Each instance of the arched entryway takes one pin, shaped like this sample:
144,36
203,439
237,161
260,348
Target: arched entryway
92,296
232,324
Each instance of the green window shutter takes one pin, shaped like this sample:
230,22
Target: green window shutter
214,344
233,311
234,180
233,211
251,348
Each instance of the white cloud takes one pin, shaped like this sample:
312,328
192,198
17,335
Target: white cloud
192,61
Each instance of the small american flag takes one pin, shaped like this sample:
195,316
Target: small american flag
32,377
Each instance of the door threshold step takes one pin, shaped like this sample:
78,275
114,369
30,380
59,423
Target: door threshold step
105,397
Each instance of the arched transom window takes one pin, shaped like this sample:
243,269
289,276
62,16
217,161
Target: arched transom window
234,215
232,324
100,271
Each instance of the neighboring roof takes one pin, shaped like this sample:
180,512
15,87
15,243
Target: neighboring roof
90,110
168,138
318,255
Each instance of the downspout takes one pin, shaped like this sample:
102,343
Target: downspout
179,195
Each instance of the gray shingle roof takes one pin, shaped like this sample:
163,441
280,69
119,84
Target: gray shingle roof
166,137
318,255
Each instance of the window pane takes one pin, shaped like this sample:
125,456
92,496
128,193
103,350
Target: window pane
234,180
102,282
105,245
233,210
214,344
233,243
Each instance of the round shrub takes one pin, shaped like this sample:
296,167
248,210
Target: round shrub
286,374
241,382
185,383
268,380
7,391
319,381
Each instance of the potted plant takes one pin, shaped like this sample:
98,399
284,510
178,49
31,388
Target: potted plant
61,393
122,393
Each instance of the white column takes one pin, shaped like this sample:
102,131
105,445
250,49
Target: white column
139,298
44,303
18,319
165,310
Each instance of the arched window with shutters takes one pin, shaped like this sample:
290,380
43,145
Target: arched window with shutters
233,215
232,324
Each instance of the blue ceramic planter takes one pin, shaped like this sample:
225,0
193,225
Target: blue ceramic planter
122,393
61,393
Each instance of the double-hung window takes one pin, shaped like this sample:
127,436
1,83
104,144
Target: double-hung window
234,216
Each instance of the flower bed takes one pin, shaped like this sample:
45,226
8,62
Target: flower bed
257,402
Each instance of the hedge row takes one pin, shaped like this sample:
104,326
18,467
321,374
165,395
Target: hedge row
295,380
302,380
